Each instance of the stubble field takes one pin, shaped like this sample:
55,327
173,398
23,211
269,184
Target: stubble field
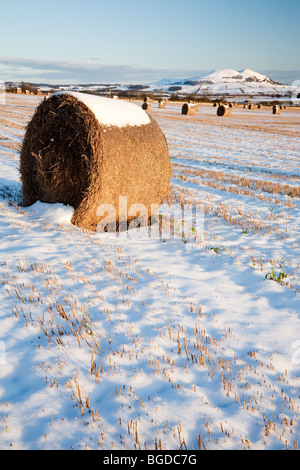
189,341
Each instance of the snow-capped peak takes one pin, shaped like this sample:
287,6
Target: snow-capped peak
221,75
247,73
222,82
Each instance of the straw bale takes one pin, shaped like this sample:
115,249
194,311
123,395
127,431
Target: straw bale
223,110
146,106
276,110
162,104
189,109
68,156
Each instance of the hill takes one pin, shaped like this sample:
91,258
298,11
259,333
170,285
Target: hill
227,82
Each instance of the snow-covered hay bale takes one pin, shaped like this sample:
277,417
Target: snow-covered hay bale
146,106
189,109
87,151
276,110
223,110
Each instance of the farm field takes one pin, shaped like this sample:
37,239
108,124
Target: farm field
182,341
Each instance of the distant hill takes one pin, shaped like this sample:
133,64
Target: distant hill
227,82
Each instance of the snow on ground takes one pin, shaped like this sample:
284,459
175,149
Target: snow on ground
172,342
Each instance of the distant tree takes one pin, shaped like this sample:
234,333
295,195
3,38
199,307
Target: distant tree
26,86
175,88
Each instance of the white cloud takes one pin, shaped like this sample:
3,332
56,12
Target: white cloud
56,71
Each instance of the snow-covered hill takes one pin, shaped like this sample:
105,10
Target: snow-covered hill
227,83
223,82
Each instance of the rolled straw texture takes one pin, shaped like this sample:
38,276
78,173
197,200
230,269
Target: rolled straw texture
68,156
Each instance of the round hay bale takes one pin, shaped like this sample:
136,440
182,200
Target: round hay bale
146,106
223,110
276,110
162,104
87,152
189,109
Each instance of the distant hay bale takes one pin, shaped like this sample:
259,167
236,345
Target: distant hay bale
146,106
162,104
258,106
276,110
189,109
74,155
223,110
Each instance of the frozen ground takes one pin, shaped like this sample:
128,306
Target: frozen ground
176,342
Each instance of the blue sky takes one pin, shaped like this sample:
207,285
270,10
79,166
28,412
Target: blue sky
131,41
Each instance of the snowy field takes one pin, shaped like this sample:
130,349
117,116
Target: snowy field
183,342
